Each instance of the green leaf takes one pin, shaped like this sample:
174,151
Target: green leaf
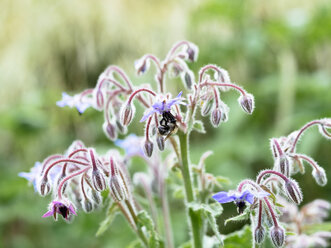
312,228
136,244
223,180
241,217
209,211
111,213
145,220
239,239
199,127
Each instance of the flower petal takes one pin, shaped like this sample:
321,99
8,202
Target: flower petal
47,214
223,197
147,114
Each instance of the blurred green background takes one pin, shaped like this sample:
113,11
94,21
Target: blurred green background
280,51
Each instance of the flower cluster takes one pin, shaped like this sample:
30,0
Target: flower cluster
267,194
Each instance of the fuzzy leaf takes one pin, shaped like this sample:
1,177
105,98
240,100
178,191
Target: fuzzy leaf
209,211
199,127
241,217
239,239
111,213
145,220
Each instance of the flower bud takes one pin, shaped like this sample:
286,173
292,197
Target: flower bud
283,165
122,129
96,197
222,76
110,131
192,53
176,69
215,117
148,148
98,180
141,65
259,234
160,142
127,113
117,186
293,191
99,99
59,180
87,205
320,176
246,102
277,235
188,79
206,107
44,186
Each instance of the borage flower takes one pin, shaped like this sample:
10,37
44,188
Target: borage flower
163,105
81,104
63,207
239,197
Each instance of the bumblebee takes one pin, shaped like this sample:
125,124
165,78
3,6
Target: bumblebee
167,125
241,205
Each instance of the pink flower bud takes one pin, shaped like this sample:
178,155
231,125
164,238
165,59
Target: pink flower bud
277,235
192,52
44,186
87,205
188,79
293,191
283,165
259,234
247,103
216,117
110,131
127,113
98,180
99,99
96,197
117,186
148,148
141,65
320,176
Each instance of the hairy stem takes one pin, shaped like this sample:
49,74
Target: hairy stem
195,218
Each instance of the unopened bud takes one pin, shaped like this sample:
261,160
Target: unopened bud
192,52
148,148
320,176
117,187
176,69
293,191
277,235
44,187
215,117
206,107
160,142
246,102
98,180
127,113
141,65
87,205
59,180
96,196
99,99
283,164
222,76
188,79
122,129
259,234
110,131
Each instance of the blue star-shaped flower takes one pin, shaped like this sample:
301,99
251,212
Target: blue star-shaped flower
164,105
225,197
73,101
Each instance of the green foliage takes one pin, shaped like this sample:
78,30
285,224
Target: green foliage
144,220
110,215
239,239
241,217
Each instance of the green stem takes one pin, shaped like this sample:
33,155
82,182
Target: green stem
195,218
135,219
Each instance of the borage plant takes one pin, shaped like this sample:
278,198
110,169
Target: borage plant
77,177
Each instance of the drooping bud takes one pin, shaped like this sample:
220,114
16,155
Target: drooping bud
222,76
259,234
44,186
188,79
96,197
117,186
141,65
127,113
160,142
99,99
293,191
283,165
59,180
87,205
320,176
148,148
215,117
98,180
122,129
176,69
207,106
110,130
277,235
246,102
192,52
